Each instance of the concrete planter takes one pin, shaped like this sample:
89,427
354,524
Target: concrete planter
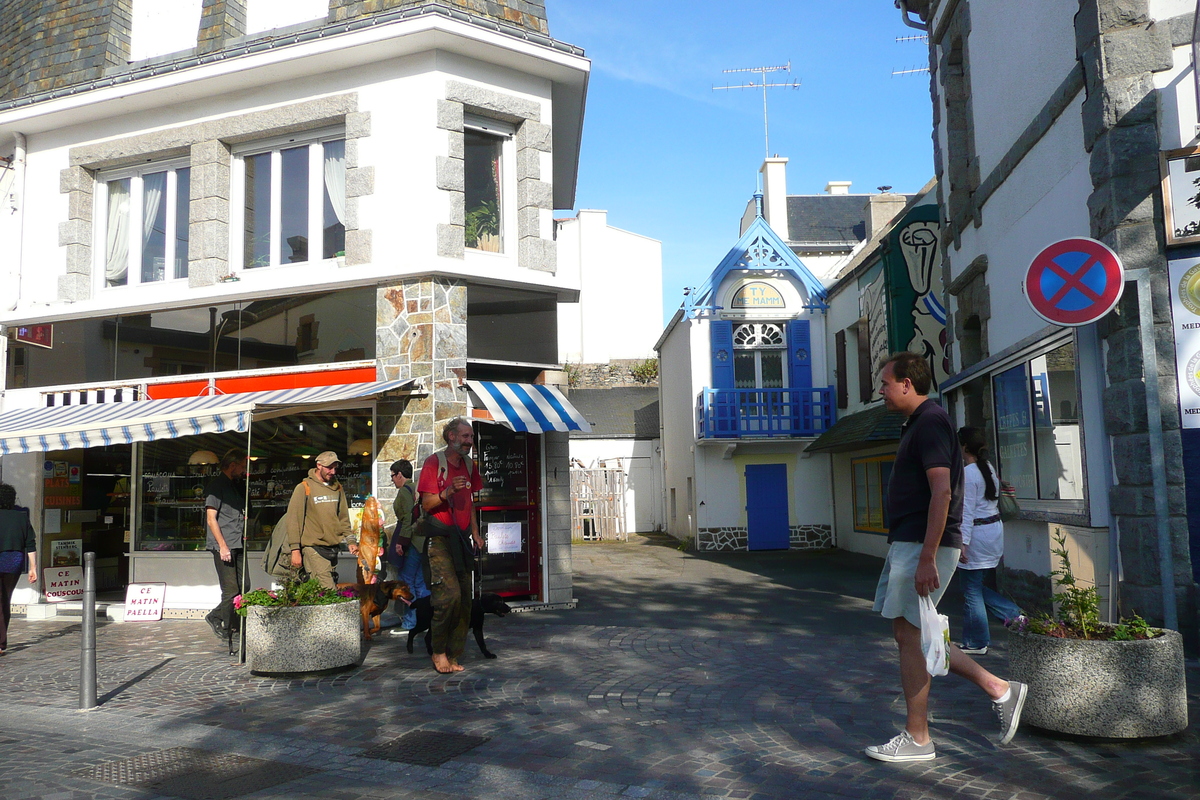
1116,690
302,638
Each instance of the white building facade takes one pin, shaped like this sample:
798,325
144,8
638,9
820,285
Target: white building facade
299,195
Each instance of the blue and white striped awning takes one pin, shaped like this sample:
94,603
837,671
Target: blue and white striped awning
67,427
528,407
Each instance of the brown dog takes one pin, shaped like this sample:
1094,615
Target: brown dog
373,599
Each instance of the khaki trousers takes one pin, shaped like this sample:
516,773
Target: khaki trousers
317,566
450,596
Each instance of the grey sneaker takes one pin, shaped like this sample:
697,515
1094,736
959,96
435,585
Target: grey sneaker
1009,712
901,748
974,651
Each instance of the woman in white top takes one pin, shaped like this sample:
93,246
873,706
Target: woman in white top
983,544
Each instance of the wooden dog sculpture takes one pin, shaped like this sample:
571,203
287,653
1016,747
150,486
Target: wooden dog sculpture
370,544
486,604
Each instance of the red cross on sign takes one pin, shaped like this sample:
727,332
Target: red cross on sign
1074,281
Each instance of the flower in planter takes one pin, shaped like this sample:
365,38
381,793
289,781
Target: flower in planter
293,593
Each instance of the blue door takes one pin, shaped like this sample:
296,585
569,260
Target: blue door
767,507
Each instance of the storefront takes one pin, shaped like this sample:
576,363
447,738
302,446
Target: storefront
127,480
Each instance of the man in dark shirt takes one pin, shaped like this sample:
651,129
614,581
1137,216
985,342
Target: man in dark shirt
925,509
224,522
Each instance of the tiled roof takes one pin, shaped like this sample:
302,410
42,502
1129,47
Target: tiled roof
873,426
838,221
628,412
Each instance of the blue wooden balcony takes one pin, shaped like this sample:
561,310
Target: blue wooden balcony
764,413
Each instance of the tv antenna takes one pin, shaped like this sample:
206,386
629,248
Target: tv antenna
910,71
764,85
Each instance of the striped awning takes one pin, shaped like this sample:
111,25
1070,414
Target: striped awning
530,407
67,427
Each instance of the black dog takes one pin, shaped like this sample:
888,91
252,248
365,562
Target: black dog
487,604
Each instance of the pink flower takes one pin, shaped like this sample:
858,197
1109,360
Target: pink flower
237,601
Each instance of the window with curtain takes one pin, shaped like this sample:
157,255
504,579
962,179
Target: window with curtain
483,159
870,480
289,201
142,228
758,355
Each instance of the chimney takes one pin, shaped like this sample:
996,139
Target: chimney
838,187
774,175
882,209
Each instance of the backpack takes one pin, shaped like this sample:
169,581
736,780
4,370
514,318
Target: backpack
418,538
277,558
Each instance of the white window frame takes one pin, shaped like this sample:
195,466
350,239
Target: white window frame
759,349
315,141
506,132
133,274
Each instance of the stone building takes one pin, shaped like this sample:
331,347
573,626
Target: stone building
340,209
1052,121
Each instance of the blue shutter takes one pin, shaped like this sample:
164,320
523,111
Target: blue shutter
799,355
720,337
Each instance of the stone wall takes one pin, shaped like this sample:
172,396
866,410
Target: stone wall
47,44
1120,50
802,537
618,372
557,502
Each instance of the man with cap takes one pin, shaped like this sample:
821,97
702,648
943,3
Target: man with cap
319,521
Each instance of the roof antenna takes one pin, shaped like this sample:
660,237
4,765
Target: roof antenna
792,84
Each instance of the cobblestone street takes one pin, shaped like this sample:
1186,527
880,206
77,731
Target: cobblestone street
679,675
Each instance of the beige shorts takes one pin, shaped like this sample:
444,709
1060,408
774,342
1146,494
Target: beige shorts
896,594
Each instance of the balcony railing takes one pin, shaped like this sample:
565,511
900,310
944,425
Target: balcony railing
752,413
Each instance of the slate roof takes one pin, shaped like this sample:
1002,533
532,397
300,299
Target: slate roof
873,426
626,412
837,221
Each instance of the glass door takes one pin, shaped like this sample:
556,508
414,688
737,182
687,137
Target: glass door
509,511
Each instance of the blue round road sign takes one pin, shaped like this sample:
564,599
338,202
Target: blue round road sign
1074,281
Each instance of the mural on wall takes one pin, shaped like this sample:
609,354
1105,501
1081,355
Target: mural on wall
916,316
873,307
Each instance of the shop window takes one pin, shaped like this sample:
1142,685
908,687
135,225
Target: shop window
1039,439
174,475
290,200
870,479
142,224
484,185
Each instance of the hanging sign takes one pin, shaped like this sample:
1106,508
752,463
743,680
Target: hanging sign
144,602
1184,277
1074,281
38,335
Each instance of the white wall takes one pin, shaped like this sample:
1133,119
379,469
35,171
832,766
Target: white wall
677,391
263,15
641,460
722,483
619,313
1044,36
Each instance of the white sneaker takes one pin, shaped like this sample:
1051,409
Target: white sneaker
902,748
974,651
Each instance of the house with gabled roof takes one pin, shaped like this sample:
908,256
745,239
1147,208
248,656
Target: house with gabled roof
744,388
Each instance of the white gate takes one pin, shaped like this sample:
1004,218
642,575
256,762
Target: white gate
598,505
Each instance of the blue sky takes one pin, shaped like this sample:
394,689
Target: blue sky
672,159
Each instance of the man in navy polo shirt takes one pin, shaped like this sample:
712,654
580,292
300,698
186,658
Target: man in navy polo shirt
924,505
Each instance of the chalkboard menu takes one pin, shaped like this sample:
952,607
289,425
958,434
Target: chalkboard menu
503,466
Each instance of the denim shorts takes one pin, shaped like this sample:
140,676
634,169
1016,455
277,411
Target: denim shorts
896,594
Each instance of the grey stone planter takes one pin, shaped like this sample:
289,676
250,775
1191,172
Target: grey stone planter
1116,690
302,638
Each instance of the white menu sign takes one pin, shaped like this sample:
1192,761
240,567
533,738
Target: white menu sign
144,602
504,537
1184,274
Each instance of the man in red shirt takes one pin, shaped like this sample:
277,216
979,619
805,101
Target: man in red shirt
446,485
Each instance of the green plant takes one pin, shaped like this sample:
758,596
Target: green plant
574,373
293,592
1079,606
1130,628
645,371
482,220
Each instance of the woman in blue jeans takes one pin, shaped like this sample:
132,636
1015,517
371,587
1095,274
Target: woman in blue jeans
983,544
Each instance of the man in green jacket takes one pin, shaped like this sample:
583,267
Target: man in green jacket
319,521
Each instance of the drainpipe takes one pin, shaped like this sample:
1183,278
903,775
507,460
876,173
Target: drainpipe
904,15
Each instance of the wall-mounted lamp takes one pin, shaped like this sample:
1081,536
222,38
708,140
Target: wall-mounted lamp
203,457
360,447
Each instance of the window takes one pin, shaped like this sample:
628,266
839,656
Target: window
143,224
870,490
758,355
484,185
290,200
1039,442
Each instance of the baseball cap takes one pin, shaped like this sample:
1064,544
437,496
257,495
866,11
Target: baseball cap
328,459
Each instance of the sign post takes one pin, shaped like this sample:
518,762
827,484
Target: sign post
1075,282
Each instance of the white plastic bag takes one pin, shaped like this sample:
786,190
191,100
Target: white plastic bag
935,638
